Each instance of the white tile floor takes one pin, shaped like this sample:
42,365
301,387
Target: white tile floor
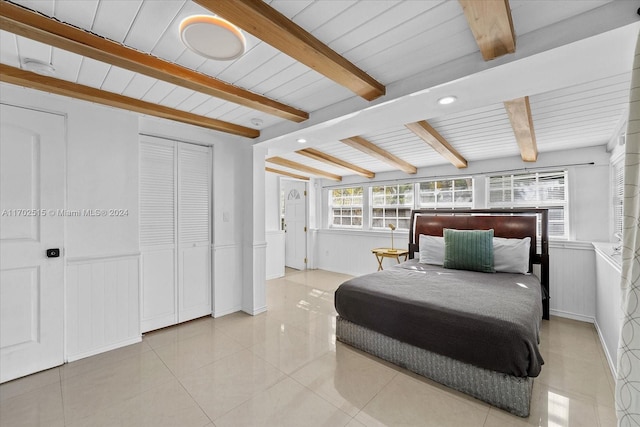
284,368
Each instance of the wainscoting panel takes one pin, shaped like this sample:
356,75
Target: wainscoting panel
572,279
227,273
103,304
609,313
275,254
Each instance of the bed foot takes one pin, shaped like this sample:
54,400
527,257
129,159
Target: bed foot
504,391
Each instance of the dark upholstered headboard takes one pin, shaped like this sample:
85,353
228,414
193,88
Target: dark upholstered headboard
508,223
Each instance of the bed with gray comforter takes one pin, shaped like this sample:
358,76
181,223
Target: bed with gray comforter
490,321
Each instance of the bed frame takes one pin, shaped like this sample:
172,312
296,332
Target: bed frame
499,389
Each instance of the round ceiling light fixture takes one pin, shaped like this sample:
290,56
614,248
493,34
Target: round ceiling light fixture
445,100
302,141
212,37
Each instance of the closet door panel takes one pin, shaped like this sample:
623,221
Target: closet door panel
194,231
158,233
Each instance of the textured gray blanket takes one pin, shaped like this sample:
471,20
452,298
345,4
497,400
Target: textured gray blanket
490,320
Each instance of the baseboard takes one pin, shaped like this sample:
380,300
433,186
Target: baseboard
610,360
93,352
221,313
573,316
257,311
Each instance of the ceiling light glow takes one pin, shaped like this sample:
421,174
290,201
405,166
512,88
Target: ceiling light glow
302,140
212,37
447,100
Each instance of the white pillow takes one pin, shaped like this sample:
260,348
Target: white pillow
431,250
511,255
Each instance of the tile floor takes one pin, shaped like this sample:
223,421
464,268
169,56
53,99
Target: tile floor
284,368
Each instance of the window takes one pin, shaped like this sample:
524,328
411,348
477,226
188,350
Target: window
617,190
391,204
534,190
345,206
449,193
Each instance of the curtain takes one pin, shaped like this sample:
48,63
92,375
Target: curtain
628,381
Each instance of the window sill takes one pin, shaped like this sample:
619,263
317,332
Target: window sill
606,252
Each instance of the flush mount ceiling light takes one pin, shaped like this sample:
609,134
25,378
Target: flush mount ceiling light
302,140
212,37
447,100
39,67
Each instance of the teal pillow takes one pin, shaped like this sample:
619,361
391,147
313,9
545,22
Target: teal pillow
469,250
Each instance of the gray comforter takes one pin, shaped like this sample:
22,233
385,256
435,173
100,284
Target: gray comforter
490,320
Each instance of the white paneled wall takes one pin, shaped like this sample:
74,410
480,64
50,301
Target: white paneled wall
103,304
609,313
349,252
227,273
275,254
572,280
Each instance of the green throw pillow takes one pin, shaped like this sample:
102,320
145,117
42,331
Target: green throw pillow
469,250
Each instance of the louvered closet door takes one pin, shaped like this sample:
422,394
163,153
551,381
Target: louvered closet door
194,231
158,233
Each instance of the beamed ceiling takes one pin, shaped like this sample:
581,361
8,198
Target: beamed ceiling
358,80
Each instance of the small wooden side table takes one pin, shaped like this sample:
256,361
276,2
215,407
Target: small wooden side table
382,253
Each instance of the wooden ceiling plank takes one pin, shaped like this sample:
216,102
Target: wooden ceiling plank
269,25
285,173
359,143
428,134
492,26
519,111
304,168
33,25
312,153
29,79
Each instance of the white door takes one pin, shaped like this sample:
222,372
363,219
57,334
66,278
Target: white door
158,246
32,159
194,231
295,223
175,232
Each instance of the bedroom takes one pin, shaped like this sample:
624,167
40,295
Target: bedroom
101,140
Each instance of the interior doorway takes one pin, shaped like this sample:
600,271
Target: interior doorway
295,223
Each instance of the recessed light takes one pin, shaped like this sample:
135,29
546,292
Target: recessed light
212,37
302,140
447,100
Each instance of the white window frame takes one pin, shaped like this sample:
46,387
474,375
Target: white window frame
444,205
396,219
350,207
537,203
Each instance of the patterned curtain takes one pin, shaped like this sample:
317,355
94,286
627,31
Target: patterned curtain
628,381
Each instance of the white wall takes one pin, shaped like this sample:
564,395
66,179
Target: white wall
102,254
